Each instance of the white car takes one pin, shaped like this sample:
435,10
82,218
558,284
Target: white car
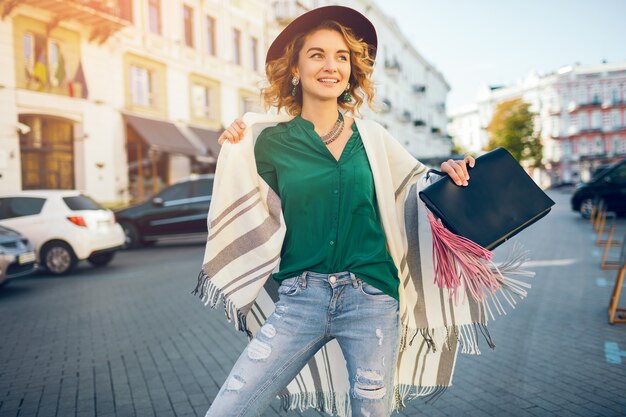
65,226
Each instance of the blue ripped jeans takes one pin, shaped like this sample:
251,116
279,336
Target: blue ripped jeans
314,309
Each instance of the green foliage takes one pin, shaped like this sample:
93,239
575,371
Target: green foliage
513,128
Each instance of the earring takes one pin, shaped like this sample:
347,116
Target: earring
294,82
346,96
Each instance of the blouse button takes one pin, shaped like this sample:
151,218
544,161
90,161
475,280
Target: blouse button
332,242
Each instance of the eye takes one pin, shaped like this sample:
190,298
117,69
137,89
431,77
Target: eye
316,55
343,58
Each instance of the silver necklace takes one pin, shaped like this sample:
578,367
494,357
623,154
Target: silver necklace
334,132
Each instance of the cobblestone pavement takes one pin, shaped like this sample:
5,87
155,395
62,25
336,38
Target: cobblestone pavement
130,339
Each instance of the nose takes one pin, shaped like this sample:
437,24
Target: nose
330,65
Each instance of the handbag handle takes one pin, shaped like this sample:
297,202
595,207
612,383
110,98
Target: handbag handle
434,171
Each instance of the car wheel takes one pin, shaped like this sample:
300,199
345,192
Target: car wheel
133,239
101,259
58,258
586,207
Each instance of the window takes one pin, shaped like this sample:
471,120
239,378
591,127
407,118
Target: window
11,207
566,148
176,192
202,99
595,94
619,175
202,188
582,95
582,146
254,53
237,46
141,86
154,16
188,22
615,96
582,121
54,69
596,119
82,202
210,35
616,144
29,52
615,122
599,145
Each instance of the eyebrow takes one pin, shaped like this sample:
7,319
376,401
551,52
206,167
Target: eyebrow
341,51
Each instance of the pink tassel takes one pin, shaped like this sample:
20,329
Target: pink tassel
459,259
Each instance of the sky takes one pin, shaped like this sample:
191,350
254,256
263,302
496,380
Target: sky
477,42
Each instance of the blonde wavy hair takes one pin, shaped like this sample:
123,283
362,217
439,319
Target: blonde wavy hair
279,73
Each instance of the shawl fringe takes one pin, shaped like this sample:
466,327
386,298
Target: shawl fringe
447,337
327,402
404,393
211,295
339,404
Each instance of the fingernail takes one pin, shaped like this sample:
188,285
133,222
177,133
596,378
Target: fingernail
458,183
465,182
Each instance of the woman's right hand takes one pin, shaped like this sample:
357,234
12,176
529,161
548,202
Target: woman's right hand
233,133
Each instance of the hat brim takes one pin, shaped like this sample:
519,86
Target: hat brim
359,24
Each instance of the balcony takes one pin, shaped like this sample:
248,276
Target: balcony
286,11
392,66
404,116
418,89
385,106
105,17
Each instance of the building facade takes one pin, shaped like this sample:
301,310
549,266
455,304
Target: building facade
119,98
581,113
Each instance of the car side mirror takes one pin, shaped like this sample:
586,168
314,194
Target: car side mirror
157,201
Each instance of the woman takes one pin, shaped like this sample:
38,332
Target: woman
341,244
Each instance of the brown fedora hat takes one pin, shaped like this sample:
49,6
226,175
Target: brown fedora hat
359,24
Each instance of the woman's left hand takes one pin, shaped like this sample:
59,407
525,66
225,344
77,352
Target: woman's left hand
457,169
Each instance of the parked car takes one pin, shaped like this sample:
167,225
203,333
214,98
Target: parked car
65,226
178,210
17,255
608,185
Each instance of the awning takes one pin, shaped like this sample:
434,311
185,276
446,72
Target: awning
162,135
209,139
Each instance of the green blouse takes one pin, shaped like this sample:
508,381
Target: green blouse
329,206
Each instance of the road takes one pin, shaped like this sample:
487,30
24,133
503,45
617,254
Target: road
130,339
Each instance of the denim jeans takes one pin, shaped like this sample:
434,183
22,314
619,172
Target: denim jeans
314,309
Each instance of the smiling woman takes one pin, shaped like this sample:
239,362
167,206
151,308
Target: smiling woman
321,194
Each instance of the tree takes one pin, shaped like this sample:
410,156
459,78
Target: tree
512,127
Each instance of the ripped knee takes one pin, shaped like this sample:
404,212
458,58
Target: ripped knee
369,385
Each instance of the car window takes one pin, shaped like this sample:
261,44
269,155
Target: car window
81,202
11,207
202,188
176,192
619,175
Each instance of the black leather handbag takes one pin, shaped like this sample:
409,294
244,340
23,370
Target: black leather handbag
499,201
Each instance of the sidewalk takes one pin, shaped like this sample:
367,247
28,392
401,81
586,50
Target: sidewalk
130,339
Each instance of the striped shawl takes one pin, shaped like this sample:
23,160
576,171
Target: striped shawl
246,232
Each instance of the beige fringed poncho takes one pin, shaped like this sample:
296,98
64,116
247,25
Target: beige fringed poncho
246,231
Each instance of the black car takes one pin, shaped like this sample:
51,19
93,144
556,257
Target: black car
178,210
607,185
